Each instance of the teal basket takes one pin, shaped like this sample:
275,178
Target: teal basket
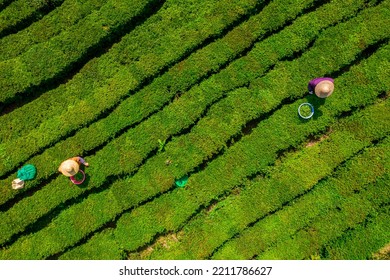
27,172
181,182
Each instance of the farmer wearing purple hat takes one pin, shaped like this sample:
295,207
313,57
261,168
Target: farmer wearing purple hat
322,87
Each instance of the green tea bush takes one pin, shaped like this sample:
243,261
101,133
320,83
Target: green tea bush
58,20
4,3
145,136
254,201
354,211
118,87
154,178
130,184
152,97
360,243
20,11
52,58
298,174
131,110
318,200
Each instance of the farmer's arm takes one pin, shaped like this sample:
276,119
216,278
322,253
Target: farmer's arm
81,160
312,84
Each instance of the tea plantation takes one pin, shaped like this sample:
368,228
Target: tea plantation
150,92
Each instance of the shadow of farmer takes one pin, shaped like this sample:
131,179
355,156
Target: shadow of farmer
317,103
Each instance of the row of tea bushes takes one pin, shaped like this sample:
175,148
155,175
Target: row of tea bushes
22,11
363,240
307,242
295,177
132,110
242,209
55,57
94,103
151,179
124,154
318,199
58,20
162,89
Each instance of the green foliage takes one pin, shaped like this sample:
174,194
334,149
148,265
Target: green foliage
319,200
4,3
132,109
161,145
152,97
111,90
332,224
106,249
297,174
364,239
47,60
128,161
224,172
204,128
58,20
21,10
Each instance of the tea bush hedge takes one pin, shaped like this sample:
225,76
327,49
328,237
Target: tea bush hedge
58,20
203,89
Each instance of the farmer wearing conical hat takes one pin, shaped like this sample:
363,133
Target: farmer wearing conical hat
322,87
71,167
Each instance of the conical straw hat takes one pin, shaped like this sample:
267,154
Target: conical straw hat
324,89
69,168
